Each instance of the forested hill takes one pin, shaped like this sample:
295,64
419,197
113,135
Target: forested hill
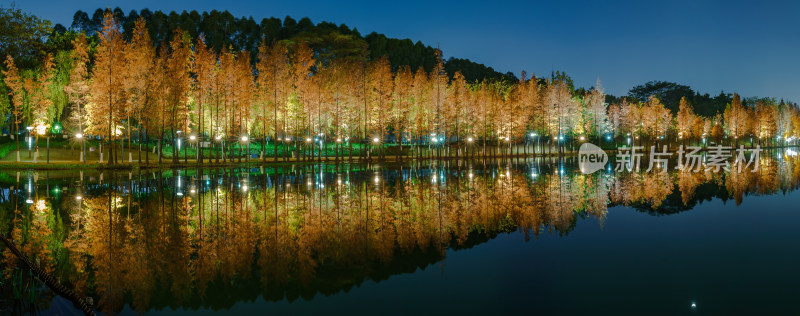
222,30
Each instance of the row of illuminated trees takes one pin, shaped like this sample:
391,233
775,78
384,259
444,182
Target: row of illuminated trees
286,99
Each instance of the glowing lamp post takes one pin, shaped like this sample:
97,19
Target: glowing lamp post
83,146
30,140
245,140
222,145
193,139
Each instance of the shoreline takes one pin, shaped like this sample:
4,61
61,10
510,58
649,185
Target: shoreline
255,162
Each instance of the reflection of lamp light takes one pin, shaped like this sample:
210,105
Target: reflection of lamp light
469,139
375,140
582,138
78,197
192,137
308,140
78,135
338,140
244,138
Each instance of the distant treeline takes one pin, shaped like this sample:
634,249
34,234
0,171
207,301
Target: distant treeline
670,94
222,30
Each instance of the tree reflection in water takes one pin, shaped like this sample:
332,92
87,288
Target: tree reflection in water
210,238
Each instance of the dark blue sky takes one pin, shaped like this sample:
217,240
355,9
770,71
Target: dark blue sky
737,46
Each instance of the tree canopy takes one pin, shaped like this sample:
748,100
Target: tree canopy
22,35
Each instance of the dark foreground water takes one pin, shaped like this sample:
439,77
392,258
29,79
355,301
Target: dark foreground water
522,237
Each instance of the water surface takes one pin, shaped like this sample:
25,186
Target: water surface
517,236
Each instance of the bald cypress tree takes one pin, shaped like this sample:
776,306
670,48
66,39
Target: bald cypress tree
105,110
19,95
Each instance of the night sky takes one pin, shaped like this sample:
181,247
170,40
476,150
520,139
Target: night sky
737,46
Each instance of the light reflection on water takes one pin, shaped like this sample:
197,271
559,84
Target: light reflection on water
189,238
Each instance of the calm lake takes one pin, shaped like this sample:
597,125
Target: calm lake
531,236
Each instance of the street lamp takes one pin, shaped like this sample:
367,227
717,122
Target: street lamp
193,138
83,145
244,140
222,145
30,140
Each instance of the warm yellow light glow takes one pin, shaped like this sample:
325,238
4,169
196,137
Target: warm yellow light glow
40,206
41,128
78,135
375,140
